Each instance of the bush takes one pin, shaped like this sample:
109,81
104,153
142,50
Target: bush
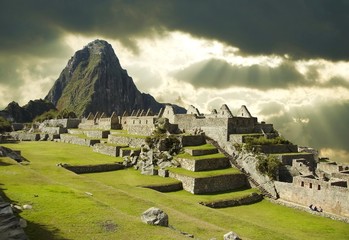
5,126
266,141
268,165
46,116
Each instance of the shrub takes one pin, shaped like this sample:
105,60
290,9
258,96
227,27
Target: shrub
268,165
46,116
5,126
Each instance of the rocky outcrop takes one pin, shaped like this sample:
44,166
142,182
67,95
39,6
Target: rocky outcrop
155,216
94,81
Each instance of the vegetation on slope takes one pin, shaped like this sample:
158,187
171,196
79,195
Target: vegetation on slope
62,209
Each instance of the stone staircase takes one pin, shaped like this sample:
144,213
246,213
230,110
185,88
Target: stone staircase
204,170
234,163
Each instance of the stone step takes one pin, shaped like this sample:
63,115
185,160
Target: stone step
203,163
201,150
209,181
108,149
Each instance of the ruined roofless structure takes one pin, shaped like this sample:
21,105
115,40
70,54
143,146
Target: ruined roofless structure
219,124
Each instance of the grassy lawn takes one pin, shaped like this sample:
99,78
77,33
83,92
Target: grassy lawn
201,147
62,209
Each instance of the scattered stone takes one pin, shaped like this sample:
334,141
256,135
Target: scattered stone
17,207
88,193
155,216
231,236
27,206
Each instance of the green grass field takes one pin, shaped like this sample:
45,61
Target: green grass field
63,210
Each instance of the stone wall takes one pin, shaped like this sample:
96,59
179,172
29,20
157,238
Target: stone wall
251,198
248,162
331,167
203,164
332,199
66,122
66,138
24,136
126,140
53,130
107,149
241,138
192,140
200,152
94,168
279,148
97,133
287,159
211,184
143,125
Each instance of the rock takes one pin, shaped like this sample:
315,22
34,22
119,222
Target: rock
155,216
27,206
231,236
88,193
23,223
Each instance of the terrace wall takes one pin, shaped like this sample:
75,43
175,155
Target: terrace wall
203,164
212,184
305,191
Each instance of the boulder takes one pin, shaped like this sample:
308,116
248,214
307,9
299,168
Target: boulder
231,236
155,216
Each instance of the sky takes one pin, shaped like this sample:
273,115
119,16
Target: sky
287,61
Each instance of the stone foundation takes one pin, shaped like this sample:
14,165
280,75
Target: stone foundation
123,140
24,136
113,151
78,141
200,152
212,184
204,164
250,199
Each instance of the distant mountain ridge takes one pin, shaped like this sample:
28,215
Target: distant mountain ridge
94,81
26,113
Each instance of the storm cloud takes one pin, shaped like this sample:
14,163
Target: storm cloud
323,126
216,73
301,29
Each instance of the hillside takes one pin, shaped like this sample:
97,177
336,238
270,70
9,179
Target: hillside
94,81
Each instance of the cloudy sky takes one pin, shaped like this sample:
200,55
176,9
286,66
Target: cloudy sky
287,61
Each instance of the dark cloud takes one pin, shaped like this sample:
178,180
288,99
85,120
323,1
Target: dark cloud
302,29
323,126
215,73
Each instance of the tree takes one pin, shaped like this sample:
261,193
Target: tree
5,125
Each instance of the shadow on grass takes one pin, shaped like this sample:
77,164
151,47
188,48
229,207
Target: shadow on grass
3,164
229,191
42,232
34,230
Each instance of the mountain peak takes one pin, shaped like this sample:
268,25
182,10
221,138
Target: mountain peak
94,81
99,46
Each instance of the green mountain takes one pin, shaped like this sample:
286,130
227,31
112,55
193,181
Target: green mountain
26,113
94,81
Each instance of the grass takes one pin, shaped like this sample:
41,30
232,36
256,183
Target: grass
208,156
204,174
62,210
201,147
